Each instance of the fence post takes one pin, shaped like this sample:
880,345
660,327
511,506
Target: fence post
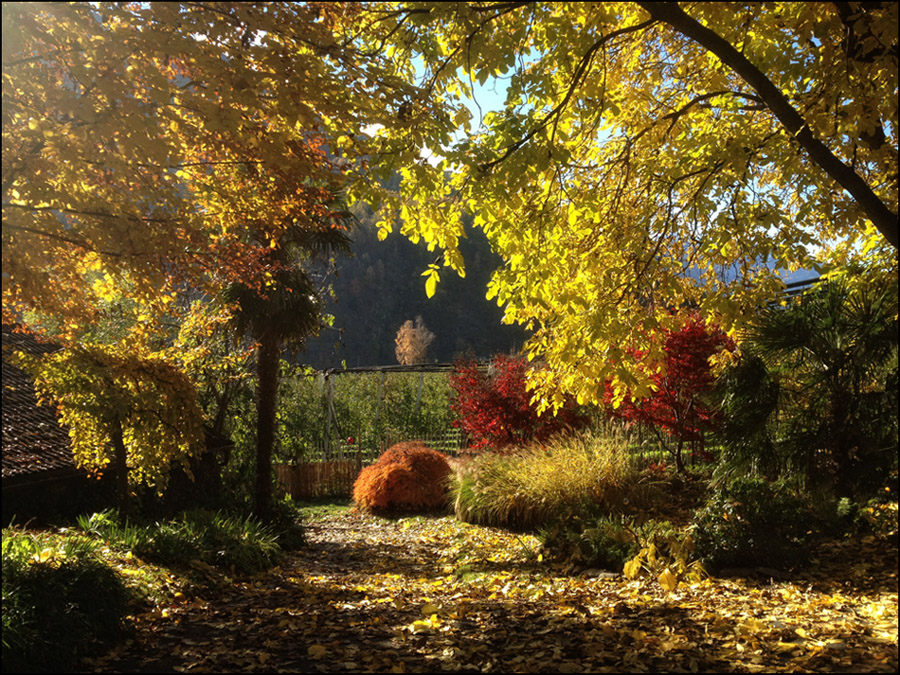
329,403
419,394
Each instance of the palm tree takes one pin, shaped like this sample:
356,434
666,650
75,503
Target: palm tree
282,315
816,389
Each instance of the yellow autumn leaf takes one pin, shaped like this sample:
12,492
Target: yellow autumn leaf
317,651
43,556
668,580
633,567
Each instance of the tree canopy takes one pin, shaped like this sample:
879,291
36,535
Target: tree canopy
649,156
142,402
152,150
149,146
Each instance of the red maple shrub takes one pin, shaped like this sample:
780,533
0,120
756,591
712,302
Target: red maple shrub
494,407
408,478
680,405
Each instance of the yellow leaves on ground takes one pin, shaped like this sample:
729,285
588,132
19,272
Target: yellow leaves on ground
317,651
433,595
668,580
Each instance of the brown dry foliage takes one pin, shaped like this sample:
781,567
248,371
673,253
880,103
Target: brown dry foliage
408,477
412,342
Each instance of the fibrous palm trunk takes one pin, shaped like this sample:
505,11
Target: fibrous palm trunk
267,372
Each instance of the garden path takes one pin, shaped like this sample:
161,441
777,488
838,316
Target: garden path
434,595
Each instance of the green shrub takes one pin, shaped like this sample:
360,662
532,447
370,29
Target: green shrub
576,476
286,524
59,601
751,522
603,542
814,393
876,516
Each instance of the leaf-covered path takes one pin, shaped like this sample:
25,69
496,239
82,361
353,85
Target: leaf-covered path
433,595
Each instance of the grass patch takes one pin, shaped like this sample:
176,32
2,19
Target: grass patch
237,544
322,509
67,591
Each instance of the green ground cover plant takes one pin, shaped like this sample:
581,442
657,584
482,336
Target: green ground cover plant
752,521
239,544
320,509
67,590
60,600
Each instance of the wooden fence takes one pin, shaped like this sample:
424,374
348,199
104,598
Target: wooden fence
312,480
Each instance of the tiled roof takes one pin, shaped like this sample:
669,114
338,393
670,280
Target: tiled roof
33,440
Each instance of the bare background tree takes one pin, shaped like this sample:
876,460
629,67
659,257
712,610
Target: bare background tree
412,342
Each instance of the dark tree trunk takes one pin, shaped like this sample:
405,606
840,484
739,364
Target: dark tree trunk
120,460
679,455
267,371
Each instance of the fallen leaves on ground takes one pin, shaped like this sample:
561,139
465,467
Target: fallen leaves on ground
434,594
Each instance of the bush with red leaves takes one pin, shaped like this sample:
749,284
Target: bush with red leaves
494,407
408,478
679,404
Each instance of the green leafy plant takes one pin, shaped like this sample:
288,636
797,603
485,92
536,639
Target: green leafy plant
59,601
750,522
236,543
602,541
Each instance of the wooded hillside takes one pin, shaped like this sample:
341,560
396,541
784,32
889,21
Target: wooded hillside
381,286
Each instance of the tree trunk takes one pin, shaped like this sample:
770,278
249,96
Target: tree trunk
120,460
266,398
679,456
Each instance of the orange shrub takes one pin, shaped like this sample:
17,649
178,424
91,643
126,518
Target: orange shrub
408,477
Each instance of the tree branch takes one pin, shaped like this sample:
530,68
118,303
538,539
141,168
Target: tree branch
876,210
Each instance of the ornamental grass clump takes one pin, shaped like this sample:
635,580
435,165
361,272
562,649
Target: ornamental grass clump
240,544
540,484
408,478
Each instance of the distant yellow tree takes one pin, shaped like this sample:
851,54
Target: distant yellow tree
412,342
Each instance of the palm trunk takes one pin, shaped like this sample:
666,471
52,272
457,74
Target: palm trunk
267,372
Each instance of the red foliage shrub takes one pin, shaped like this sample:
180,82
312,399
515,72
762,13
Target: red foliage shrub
494,408
408,477
679,406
